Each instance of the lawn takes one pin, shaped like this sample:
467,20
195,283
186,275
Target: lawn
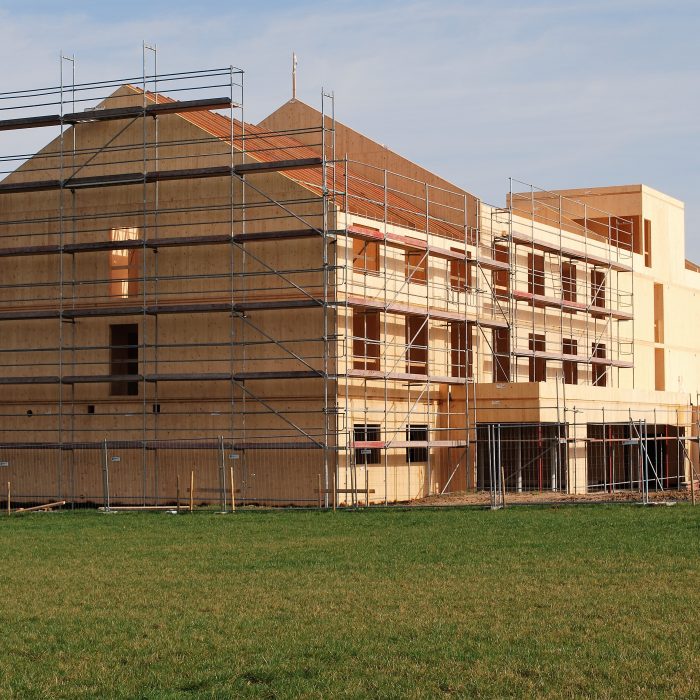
575,601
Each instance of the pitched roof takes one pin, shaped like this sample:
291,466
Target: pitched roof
364,198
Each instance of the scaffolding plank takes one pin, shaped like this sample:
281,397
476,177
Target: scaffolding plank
103,311
413,310
29,380
154,244
29,315
190,377
277,165
122,179
581,359
404,377
182,241
21,251
94,246
276,304
292,374
584,256
542,300
405,444
151,110
277,235
100,115
31,186
30,122
115,310
189,308
181,106
490,264
408,242
380,444
100,378
240,446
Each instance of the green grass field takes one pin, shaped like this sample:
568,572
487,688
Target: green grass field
533,602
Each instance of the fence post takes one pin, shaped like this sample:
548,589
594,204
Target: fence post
105,475
9,507
222,474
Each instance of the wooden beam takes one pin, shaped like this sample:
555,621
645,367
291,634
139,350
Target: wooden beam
46,506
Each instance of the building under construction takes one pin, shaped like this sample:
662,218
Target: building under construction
296,306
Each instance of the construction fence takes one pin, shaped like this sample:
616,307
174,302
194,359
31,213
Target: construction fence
502,463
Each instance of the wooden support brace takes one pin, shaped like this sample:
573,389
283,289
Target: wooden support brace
46,506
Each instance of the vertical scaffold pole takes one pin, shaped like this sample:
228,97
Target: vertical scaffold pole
105,475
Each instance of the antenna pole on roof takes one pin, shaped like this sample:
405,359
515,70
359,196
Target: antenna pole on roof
294,76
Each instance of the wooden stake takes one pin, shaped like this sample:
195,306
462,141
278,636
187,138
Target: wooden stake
366,487
9,506
692,484
503,486
177,488
191,490
319,492
335,491
233,492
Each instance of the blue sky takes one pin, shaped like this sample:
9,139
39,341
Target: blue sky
560,94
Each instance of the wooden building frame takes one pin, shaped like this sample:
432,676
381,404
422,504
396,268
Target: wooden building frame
172,273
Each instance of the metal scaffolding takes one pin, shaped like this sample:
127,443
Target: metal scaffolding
174,278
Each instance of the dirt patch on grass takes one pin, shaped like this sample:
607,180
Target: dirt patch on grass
483,498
